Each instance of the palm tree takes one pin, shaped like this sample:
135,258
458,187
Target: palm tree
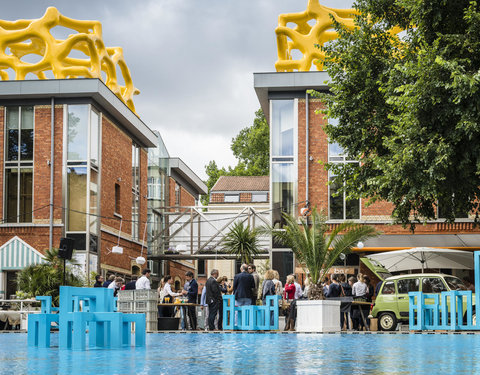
44,279
242,242
316,250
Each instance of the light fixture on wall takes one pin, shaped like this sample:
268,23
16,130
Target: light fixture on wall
117,250
140,260
360,245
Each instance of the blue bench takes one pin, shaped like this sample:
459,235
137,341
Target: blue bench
250,317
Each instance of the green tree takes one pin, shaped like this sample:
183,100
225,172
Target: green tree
408,107
242,242
45,279
252,150
315,249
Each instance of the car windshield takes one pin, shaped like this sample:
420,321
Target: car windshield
384,275
454,283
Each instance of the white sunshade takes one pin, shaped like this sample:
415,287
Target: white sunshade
424,258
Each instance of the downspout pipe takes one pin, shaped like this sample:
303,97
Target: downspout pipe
307,158
52,158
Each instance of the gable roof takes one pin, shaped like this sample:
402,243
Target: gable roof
16,254
242,183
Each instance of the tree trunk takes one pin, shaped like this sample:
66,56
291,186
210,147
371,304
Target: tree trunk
315,292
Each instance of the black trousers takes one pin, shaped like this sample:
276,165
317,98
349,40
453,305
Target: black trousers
213,308
192,316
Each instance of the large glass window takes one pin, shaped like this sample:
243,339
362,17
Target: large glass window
83,154
283,150
340,208
282,128
18,196
135,191
283,191
94,129
77,199
77,147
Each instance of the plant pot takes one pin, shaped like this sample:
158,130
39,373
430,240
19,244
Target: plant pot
168,324
318,316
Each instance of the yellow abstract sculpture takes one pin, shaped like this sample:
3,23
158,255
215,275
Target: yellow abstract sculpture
314,26
26,37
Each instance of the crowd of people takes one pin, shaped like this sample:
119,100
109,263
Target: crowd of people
118,283
248,291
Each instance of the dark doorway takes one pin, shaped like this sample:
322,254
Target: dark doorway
11,284
282,261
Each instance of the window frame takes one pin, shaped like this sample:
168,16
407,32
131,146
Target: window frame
340,158
18,165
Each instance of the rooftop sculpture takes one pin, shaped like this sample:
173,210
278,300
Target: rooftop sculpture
313,26
25,37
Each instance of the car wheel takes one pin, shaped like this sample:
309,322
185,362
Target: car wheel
387,321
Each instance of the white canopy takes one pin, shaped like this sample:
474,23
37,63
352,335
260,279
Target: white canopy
424,258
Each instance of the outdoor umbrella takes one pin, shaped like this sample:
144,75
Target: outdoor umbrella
424,257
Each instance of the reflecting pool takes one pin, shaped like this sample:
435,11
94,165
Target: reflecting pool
248,353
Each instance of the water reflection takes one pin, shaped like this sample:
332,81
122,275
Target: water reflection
252,354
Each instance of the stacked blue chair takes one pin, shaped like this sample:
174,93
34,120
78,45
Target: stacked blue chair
250,317
39,325
448,308
88,312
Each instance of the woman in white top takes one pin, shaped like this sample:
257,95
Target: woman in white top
168,296
360,289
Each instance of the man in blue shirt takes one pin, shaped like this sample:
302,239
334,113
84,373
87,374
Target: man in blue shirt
192,295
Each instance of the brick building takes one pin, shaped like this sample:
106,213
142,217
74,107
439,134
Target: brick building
240,190
74,164
298,145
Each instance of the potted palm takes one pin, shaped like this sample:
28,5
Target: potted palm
317,251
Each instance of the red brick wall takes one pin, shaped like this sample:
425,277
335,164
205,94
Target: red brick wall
123,261
38,236
245,197
117,168
217,198
318,149
41,177
186,199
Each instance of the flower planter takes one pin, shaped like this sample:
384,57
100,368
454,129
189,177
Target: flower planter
318,316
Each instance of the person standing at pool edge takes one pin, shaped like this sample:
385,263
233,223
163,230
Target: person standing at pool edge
243,286
213,297
192,295
252,270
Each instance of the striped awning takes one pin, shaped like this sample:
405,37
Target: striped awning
16,254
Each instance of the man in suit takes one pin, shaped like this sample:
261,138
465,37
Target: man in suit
192,295
243,285
214,298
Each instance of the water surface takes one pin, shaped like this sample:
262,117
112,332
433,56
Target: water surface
253,354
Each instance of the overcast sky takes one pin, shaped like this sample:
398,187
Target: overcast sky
192,60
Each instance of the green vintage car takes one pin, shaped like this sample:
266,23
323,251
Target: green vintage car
391,304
